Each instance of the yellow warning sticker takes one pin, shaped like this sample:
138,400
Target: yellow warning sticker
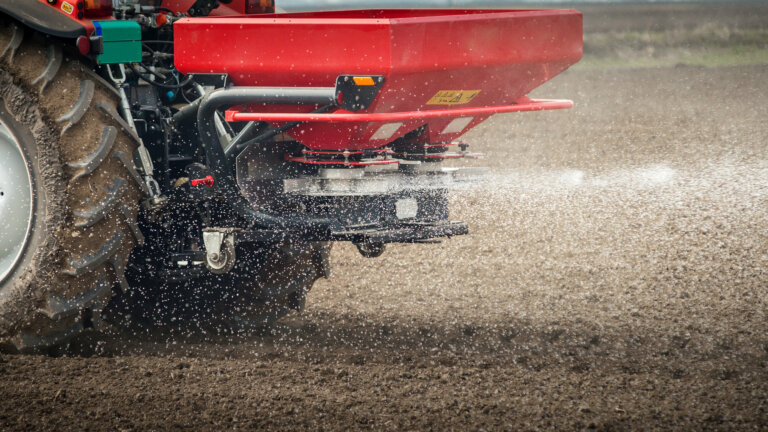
68,8
453,97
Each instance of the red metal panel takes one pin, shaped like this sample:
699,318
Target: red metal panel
70,9
280,51
502,54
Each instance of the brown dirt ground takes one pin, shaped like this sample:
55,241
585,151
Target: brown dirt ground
616,277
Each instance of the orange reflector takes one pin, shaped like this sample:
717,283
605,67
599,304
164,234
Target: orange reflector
363,81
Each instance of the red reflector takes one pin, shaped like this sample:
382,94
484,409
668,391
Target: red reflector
84,45
205,181
161,20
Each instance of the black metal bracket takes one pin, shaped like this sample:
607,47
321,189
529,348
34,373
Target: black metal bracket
357,92
204,7
211,80
413,232
401,232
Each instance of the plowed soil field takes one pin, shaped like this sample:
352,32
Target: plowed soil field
616,277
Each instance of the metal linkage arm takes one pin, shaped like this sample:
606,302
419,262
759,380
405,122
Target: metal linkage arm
222,169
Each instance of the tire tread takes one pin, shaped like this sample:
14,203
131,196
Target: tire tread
73,284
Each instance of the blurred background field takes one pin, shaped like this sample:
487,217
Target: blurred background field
675,34
633,33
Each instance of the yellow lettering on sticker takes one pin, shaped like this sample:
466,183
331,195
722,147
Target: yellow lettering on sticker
68,8
453,97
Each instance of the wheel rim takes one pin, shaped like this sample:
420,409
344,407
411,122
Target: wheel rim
15,201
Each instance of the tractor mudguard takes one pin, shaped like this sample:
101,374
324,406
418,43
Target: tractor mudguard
42,17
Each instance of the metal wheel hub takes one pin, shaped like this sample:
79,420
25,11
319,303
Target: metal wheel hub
16,203
219,250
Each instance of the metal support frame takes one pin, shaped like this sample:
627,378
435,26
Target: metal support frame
266,226
400,232
147,167
221,167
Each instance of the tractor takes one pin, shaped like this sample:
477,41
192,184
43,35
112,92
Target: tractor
216,149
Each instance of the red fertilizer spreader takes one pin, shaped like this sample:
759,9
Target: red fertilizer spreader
362,107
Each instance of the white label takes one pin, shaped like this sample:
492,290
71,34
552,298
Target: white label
68,8
406,208
386,131
457,125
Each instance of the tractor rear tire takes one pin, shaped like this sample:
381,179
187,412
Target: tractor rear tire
61,118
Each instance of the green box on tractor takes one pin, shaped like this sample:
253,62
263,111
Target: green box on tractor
121,41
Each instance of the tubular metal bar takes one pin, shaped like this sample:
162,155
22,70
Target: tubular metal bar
185,113
523,104
235,148
239,137
222,168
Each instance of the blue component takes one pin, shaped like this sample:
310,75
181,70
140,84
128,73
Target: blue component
170,95
97,28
